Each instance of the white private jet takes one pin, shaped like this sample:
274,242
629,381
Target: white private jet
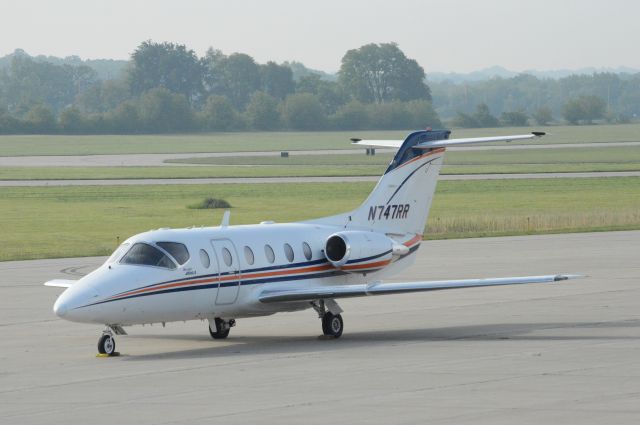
228,272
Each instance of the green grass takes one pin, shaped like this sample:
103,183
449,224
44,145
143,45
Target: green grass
274,141
594,159
44,222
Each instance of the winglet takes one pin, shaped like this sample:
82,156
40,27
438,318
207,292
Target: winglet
225,218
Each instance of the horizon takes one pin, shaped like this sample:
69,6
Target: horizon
517,37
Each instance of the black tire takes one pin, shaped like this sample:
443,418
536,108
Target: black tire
332,325
217,333
107,345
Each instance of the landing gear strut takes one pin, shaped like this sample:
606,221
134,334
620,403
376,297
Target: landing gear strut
219,328
329,314
107,343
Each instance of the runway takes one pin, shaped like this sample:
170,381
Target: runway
158,159
567,353
334,179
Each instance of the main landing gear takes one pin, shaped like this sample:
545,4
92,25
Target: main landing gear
329,313
219,328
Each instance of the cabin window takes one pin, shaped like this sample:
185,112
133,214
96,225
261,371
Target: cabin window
146,255
268,252
288,252
306,249
248,255
226,257
118,253
176,250
204,259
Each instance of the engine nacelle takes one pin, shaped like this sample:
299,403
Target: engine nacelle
358,251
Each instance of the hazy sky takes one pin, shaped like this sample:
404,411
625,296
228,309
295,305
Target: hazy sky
453,35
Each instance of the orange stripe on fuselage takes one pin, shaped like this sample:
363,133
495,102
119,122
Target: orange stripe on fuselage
377,264
228,278
413,240
433,152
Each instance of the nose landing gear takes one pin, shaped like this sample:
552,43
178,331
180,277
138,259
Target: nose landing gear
107,344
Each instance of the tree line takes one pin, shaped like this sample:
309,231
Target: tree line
167,88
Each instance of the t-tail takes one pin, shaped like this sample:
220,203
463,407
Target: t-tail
400,202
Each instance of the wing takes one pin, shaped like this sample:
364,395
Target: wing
60,283
447,142
379,288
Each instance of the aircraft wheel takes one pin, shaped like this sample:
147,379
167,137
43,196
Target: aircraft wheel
332,325
107,345
221,330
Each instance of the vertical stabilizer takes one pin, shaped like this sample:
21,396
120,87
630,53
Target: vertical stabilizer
401,200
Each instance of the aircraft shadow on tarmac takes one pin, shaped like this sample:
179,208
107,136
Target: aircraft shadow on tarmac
273,344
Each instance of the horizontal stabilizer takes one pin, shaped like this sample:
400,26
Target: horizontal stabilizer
379,288
473,140
60,283
378,143
447,142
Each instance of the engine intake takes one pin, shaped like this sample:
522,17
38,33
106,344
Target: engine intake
358,251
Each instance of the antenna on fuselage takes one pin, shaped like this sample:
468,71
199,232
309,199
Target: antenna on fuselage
225,218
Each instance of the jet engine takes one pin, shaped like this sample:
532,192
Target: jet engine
361,251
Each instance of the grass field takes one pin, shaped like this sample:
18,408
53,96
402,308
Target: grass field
47,222
473,162
274,141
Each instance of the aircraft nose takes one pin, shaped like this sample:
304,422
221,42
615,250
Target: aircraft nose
70,304
60,307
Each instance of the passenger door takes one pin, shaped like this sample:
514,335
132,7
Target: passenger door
228,269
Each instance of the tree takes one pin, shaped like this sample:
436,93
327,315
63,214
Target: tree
124,119
422,114
329,93
277,80
352,116
465,121
218,114
71,121
162,111
388,116
262,112
514,119
584,108
483,116
543,115
236,76
381,73
166,65
303,111
40,119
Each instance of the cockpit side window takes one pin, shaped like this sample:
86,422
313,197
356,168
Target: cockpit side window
118,253
176,250
146,255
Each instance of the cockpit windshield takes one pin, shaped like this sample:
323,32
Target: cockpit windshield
177,250
118,253
147,255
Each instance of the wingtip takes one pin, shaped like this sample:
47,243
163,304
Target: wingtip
355,140
569,276
538,133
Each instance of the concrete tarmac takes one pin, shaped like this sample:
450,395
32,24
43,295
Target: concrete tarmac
565,353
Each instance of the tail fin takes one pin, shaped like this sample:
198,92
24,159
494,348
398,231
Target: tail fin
401,200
